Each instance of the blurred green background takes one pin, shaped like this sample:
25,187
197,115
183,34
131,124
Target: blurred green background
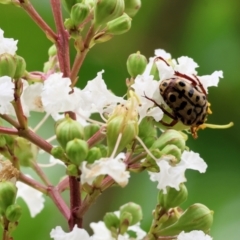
206,30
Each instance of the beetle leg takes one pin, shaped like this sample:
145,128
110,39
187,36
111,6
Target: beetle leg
171,124
194,132
164,110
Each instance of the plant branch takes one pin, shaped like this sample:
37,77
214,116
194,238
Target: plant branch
62,42
10,120
40,173
28,7
64,184
97,137
9,131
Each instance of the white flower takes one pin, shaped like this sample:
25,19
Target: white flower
31,98
172,176
196,235
113,167
75,234
33,198
7,45
146,86
97,98
56,95
6,94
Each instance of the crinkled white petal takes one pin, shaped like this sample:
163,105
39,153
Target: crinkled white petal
7,45
100,231
211,80
165,71
31,98
196,235
156,113
33,198
162,53
55,161
76,234
172,176
139,232
113,167
56,95
96,97
6,94
186,65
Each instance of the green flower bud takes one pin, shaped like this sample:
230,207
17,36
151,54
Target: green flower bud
2,141
20,67
90,130
72,170
154,72
79,12
173,198
119,25
13,213
52,51
132,7
103,149
100,37
93,154
69,3
68,129
170,136
69,24
107,10
136,64
23,151
150,163
135,211
77,151
172,150
7,65
111,221
8,193
59,153
5,1
172,216
196,217
125,222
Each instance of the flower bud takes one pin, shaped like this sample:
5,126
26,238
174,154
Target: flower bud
172,137
172,150
90,130
125,221
69,3
135,211
93,154
172,216
52,51
103,149
59,153
173,198
72,170
100,37
20,67
107,10
68,129
23,151
7,65
196,217
119,25
2,141
111,221
79,12
150,163
77,151
8,193
154,72
13,213
136,64
132,7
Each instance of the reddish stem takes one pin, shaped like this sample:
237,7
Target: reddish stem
9,131
10,120
97,137
64,184
28,7
62,42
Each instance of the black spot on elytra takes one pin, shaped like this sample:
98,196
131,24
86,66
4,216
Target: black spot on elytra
165,84
204,97
190,92
182,84
199,122
189,122
172,98
189,111
197,98
182,105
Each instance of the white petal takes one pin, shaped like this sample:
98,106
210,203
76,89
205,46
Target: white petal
162,53
33,198
139,232
156,113
186,65
100,231
165,71
7,45
76,234
196,235
113,167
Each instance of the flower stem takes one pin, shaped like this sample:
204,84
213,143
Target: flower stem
40,173
97,137
28,7
10,120
9,131
64,184
62,41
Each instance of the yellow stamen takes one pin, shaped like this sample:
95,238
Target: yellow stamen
214,126
209,111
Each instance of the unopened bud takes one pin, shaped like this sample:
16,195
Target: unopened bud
68,4
7,65
107,10
90,130
125,222
135,211
59,153
77,151
79,12
93,154
68,129
119,25
173,198
136,64
8,193
111,221
103,149
154,72
13,213
172,150
20,67
52,51
72,170
132,7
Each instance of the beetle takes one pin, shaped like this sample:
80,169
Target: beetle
187,99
